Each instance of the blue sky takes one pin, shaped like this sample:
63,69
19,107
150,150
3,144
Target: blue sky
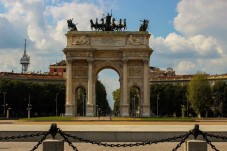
187,35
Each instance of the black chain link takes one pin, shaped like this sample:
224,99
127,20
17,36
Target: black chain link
54,130
216,136
185,136
67,140
22,136
41,141
183,140
208,141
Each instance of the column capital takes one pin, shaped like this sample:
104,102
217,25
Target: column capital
124,60
145,60
90,60
69,60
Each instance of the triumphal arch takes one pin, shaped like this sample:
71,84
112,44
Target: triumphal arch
89,52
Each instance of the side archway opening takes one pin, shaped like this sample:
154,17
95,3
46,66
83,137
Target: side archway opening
80,101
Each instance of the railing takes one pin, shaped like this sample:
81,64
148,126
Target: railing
67,137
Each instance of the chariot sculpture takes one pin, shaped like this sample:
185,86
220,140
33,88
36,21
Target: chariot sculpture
108,23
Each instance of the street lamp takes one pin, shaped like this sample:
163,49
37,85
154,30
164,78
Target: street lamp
29,106
4,111
187,108
83,98
157,103
56,104
134,104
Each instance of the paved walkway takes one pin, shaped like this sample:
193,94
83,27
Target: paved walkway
214,126
25,146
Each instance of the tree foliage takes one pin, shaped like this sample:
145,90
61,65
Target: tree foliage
116,98
219,93
42,97
168,99
199,93
101,100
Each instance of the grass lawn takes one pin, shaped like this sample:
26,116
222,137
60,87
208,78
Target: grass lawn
60,118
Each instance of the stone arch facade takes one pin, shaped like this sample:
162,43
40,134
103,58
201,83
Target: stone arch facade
87,53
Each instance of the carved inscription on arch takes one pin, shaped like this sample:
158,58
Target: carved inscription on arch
80,71
135,71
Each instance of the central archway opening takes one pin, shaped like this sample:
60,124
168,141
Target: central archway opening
109,79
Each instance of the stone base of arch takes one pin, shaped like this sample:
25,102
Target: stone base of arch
125,110
90,110
146,111
68,110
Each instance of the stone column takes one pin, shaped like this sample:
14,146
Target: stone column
68,103
89,110
146,102
124,105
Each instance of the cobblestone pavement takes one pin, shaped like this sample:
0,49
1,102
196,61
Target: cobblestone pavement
26,146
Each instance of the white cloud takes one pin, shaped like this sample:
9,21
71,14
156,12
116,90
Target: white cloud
200,41
186,67
44,27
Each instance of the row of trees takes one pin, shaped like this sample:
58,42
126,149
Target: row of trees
198,98
46,99
42,97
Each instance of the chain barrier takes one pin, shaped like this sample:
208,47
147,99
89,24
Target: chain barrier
54,130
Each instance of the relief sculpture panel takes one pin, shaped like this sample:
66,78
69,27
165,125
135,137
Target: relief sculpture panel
80,71
135,71
83,40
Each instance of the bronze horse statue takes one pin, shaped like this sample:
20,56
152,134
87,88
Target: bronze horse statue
71,25
144,25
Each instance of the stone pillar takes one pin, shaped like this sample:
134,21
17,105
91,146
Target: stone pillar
90,107
68,103
124,105
53,145
146,99
195,145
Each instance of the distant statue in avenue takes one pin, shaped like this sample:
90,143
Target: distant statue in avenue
108,24
71,25
144,25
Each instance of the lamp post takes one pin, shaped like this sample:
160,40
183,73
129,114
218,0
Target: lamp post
29,106
4,105
187,107
56,104
7,116
83,97
134,104
157,104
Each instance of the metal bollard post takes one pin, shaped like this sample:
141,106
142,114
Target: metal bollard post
195,145
53,145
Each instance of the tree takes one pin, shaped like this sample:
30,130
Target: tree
218,96
101,100
168,99
199,93
116,97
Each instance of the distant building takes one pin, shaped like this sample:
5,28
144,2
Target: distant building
156,72
58,69
168,76
25,60
32,77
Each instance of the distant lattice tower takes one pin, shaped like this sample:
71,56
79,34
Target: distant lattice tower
25,60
